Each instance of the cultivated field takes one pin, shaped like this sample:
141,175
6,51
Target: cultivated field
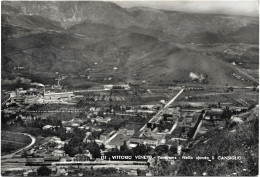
235,98
12,142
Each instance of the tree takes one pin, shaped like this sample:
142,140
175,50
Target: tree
102,147
140,172
161,149
173,149
94,149
24,153
43,171
226,114
140,149
123,147
231,89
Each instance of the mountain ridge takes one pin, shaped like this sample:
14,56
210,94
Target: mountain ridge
141,37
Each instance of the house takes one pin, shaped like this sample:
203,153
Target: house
48,158
171,114
47,127
107,134
108,87
66,158
147,137
82,157
126,131
72,123
92,109
96,111
57,141
129,130
75,125
189,120
61,172
117,86
144,140
174,88
101,120
59,153
69,129
86,137
81,127
185,132
56,96
213,114
96,129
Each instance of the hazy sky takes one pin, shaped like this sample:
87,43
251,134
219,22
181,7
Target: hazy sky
246,7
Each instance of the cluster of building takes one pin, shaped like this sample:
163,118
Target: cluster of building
168,126
147,137
37,95
117,86
133,133
99,119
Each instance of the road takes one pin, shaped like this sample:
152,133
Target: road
26,147
57,111
84,164
173,127
90,90
198,128
158,115
4,102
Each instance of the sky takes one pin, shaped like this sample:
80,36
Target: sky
232,7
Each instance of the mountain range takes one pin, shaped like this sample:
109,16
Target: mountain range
142,43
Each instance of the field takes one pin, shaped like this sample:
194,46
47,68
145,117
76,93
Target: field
130,98
51,107
105,98
12,142
235,98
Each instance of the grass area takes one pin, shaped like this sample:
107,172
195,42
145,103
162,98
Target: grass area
39,140
13,128
12,142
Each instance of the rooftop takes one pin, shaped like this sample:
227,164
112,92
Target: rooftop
134,127
137,134
107,131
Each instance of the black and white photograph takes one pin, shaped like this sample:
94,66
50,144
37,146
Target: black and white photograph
130,88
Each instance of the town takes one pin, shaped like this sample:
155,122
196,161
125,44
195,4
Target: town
71,131
129,88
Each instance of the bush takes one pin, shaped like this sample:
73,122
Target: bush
161,149
43,171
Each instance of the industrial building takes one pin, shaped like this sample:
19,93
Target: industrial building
117,86
54,95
